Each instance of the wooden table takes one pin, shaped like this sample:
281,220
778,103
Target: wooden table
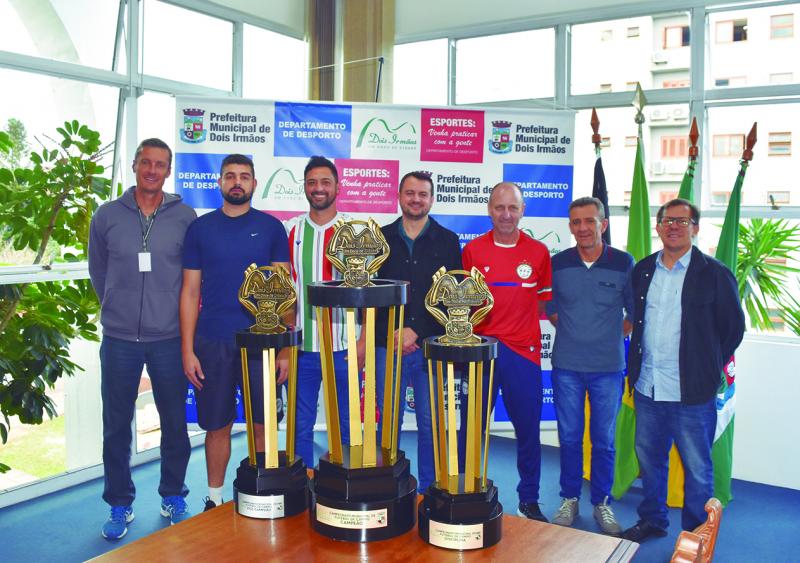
222,535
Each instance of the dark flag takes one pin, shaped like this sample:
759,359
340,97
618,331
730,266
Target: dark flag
600,191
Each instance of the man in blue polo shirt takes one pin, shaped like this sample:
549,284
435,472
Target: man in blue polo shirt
219,246
591,303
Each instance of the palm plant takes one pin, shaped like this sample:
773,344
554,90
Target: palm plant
767,248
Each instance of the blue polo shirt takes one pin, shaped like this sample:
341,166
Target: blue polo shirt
591,303
222,248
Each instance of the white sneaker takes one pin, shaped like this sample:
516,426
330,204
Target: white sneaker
604,517
567,512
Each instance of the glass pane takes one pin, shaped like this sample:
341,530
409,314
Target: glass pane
70,441
40,104
420,73
274,65
75,31
666,146
606,57
186,46
773,170
755,47
513,66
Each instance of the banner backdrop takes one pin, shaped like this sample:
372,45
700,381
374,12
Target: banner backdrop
467,151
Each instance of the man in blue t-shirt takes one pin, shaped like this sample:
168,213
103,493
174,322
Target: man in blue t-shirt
590,308
219,246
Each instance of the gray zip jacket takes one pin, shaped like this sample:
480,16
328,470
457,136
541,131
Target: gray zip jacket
138,306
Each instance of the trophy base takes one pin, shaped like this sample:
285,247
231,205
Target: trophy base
461,521
363,504
273,493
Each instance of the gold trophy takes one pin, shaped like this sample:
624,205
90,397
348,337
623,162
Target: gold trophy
360,492
272,484
460,510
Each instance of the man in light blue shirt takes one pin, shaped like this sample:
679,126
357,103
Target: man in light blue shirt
662,331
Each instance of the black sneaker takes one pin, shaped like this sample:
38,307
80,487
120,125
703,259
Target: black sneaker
531,511
209,504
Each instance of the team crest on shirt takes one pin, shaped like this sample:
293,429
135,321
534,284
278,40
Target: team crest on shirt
524,270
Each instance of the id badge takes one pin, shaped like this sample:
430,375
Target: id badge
144,262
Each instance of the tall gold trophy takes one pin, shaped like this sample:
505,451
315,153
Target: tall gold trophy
361,492
460,510
272,484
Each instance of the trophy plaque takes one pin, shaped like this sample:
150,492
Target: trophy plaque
460,511
270,484
362,491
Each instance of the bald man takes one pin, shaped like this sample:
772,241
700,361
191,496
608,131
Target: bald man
517,271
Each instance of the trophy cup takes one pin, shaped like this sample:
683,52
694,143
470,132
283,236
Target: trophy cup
459,511
272,484
359,493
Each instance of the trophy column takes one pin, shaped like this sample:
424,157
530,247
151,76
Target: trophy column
460,510
361,492
270,484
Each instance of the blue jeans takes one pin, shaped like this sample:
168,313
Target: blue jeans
414,372
521,381
121,364
309,378
692,427
605,394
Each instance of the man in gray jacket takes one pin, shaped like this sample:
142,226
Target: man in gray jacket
135,248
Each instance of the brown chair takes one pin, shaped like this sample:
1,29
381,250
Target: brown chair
698,546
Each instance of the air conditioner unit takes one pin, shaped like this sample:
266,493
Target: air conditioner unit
658,114
659,57
657,168
680,113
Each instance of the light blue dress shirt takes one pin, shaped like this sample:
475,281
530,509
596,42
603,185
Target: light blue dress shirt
660,376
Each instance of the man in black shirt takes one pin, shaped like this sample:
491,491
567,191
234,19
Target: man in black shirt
419,246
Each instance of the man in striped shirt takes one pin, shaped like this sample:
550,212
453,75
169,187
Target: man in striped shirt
309,235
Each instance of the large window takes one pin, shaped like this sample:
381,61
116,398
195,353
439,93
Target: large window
754,47
186,46
774,165
514,66
274,65
73,31
654,56
420,73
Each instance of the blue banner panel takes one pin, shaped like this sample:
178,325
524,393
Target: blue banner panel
467,227
548,408
312,129
546,188
196,177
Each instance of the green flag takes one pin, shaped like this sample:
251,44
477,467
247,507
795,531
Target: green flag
722,450
626,466
639,231
687,184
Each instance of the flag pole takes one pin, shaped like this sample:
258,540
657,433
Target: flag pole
728,253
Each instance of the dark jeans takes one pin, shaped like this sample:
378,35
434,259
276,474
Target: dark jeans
569,395
692,427
521,382
121,364
309,379
414,370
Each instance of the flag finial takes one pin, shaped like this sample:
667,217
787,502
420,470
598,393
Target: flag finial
639,101
596,129
694,135
747,154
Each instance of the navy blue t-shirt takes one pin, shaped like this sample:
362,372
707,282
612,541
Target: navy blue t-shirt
222,248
